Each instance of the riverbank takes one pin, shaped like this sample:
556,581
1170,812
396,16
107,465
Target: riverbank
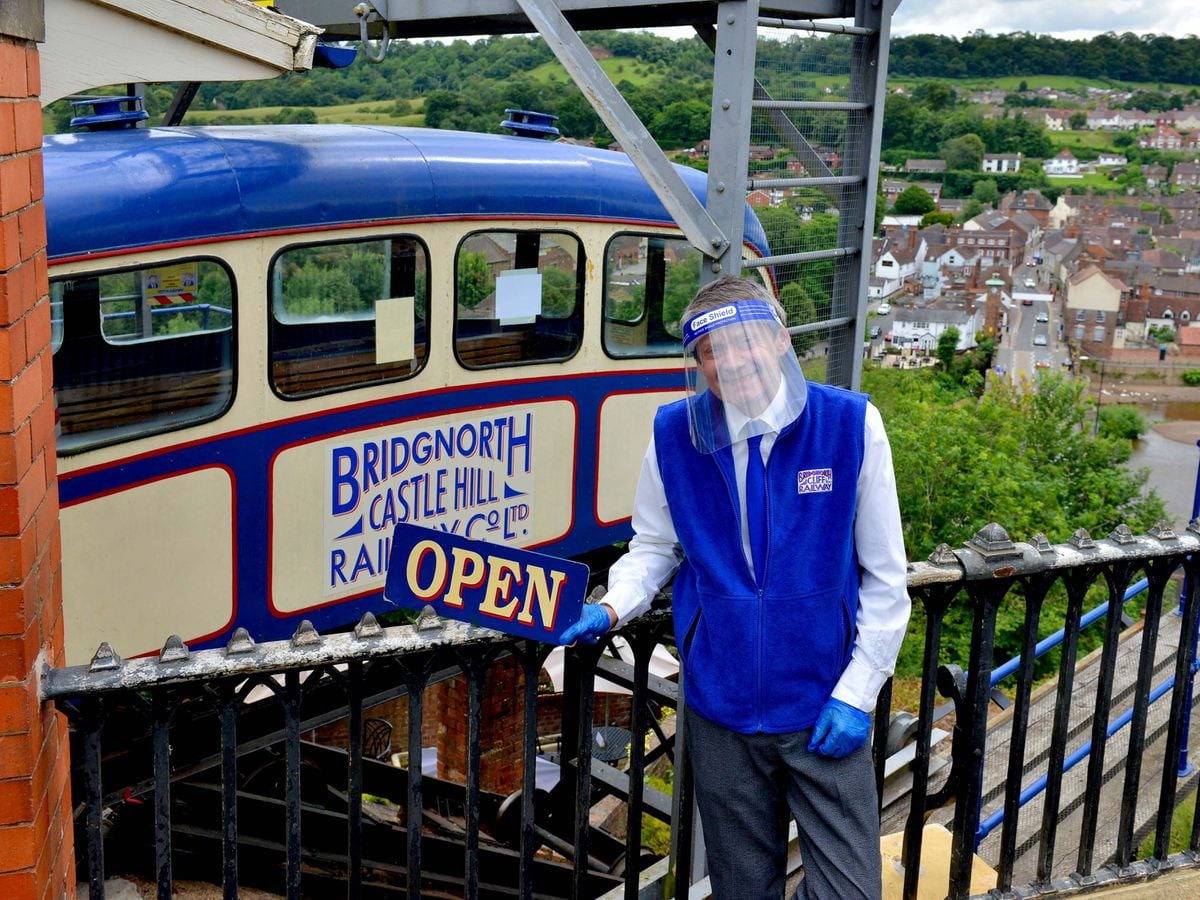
1139,393
1183,432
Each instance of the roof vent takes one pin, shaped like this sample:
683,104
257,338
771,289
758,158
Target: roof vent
525,123
108,114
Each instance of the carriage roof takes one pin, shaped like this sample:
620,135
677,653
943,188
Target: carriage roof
118,190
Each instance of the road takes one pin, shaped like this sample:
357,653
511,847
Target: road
1033,340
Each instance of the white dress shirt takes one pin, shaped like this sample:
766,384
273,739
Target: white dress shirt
883,606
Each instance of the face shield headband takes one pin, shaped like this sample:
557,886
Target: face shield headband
740,312
741,374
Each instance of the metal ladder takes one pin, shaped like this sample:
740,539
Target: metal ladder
731,29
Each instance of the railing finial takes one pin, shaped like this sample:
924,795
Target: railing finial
174,650
306,635
992,541
1122,535
105,659
942,555
1162,531
368,627
1041,543
241,642
428,620
1081,540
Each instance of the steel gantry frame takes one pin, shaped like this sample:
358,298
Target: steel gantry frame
730,28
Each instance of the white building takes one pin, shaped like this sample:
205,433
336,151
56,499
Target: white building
1001,163
1063,165
921,328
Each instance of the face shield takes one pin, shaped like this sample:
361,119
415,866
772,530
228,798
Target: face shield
741,373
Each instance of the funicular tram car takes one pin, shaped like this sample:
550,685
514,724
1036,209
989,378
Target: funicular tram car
272,344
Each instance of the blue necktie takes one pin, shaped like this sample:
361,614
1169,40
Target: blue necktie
756,505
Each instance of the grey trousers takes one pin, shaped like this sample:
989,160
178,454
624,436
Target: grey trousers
745,786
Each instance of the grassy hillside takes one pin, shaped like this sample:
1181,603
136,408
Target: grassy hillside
369,113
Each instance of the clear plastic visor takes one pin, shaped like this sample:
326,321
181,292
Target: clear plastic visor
742,375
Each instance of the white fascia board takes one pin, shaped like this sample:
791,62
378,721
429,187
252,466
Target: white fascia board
91,43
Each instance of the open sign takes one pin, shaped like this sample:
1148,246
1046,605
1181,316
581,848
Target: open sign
519,592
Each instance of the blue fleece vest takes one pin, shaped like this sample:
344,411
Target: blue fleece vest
764,655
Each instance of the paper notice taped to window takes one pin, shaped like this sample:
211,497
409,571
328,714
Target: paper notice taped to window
518,296
395,339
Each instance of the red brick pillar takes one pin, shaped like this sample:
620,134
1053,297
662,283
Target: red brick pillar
501,729
36,847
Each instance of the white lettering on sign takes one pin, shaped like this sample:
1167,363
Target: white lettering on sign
472,478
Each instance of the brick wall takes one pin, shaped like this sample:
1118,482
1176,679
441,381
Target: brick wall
36,847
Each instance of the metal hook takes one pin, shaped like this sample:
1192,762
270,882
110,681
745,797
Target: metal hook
367,13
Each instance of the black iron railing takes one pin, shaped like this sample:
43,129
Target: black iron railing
203,756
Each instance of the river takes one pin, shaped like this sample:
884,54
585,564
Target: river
1169,451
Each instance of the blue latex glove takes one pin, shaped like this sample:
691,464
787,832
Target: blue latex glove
840,730
592,625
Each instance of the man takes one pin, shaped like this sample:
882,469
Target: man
776,502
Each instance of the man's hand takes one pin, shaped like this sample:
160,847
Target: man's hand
840,730
593,624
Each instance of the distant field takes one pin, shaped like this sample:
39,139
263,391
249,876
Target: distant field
1101,140
1091,180
374,112
618,69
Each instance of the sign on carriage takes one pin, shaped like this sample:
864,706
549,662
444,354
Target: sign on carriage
519,592
169,285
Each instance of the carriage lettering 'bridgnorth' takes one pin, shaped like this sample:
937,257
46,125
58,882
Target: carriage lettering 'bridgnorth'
471,479
359,468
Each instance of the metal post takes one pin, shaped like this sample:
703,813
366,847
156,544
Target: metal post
729,135
1099,400
1185,767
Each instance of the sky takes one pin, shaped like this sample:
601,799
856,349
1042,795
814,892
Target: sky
1064,18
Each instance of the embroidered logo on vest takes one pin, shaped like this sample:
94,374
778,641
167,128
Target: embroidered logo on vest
814,481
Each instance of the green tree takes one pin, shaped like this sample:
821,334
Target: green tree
1077,120
312,290
1122,421
937,218
365,269
914,201
558,292
935,95
680,124
986,192
800,311
963,152
970,210
1019,455
474,283
947,347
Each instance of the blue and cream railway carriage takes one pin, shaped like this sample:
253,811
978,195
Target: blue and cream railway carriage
272,344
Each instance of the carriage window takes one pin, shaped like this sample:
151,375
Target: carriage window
519,298
647,283
141,351
348,315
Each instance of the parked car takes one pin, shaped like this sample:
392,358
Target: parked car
884,309
875,332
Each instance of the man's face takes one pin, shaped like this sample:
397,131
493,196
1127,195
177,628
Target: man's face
741,363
